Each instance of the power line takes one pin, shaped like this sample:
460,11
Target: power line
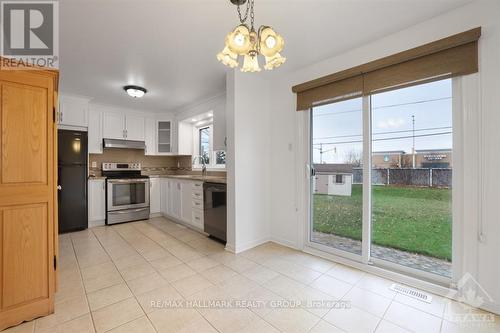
382,133
384,139
384,106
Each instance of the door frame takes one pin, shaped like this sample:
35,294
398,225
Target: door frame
466,114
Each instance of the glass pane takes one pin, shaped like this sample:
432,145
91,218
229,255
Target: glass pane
205,144
164,136
164,125
412,172
337,155
163,148
128,194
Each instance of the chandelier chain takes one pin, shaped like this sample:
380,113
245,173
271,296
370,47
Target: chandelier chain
243,19
252,15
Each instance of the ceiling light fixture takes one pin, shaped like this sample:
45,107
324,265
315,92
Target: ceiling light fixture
245,41
135,91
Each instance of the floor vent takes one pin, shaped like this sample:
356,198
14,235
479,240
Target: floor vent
410,292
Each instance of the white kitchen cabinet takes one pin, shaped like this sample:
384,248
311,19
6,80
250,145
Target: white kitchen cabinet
113,125
95,131
154,195
96,201
182,200
73,111
164,142
186,198
149,136
175,199
164,196
134,128
118,125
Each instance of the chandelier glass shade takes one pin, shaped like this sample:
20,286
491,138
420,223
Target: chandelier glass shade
247,43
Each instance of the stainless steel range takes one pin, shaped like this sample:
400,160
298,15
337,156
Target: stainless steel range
127,192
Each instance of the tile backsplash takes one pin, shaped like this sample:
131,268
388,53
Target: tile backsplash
151,165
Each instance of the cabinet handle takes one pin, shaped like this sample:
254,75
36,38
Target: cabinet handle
61,116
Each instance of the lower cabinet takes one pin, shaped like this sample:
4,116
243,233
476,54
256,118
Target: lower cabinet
164,196
154,195
96,201
182,200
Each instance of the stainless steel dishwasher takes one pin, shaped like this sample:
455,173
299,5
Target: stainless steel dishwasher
214,206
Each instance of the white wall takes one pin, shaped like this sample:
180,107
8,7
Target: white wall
200,107
248,165
287,211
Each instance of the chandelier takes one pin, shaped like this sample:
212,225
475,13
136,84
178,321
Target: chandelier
246,42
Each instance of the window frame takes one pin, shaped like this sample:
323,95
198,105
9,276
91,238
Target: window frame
365,261
212,153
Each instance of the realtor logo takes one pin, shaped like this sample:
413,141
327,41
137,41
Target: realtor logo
470,295
29,34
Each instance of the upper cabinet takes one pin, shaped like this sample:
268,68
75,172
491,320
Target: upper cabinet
73,111
118,125
150,136
104,122
95,130
134,128
164,131
113,125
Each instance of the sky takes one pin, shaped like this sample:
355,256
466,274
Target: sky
339,126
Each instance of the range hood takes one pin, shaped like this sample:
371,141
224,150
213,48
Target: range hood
114,143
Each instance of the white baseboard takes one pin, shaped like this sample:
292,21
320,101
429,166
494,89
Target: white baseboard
284,242
230,248
251,244
98,223
155,215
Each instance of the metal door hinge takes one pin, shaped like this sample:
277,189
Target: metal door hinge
55,263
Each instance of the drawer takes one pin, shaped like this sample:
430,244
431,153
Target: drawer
197,203
198,194
198,218
198,186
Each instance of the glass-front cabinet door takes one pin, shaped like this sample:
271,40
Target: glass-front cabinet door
164,135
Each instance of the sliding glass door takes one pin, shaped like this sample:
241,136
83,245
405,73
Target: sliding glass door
408,187
337,191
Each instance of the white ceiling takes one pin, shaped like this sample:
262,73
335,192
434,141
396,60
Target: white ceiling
169,46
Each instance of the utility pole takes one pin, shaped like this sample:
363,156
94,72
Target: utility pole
413,137
321,153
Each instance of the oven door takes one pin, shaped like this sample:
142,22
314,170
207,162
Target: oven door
127,193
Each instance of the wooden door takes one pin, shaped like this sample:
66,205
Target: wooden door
27,193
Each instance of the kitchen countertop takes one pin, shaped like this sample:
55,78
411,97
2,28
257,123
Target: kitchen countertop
207,179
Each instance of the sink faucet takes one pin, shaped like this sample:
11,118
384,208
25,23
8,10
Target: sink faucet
203,165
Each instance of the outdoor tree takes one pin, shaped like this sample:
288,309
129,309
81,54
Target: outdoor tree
353,157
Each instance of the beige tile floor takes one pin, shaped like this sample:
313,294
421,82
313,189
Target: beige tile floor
115,279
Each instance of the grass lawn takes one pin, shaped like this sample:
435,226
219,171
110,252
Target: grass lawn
416,220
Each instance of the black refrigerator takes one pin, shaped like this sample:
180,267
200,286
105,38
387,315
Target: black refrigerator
72,180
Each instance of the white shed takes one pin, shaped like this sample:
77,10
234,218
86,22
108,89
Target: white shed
333,179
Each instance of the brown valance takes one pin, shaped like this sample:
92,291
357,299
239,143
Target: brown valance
448,57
